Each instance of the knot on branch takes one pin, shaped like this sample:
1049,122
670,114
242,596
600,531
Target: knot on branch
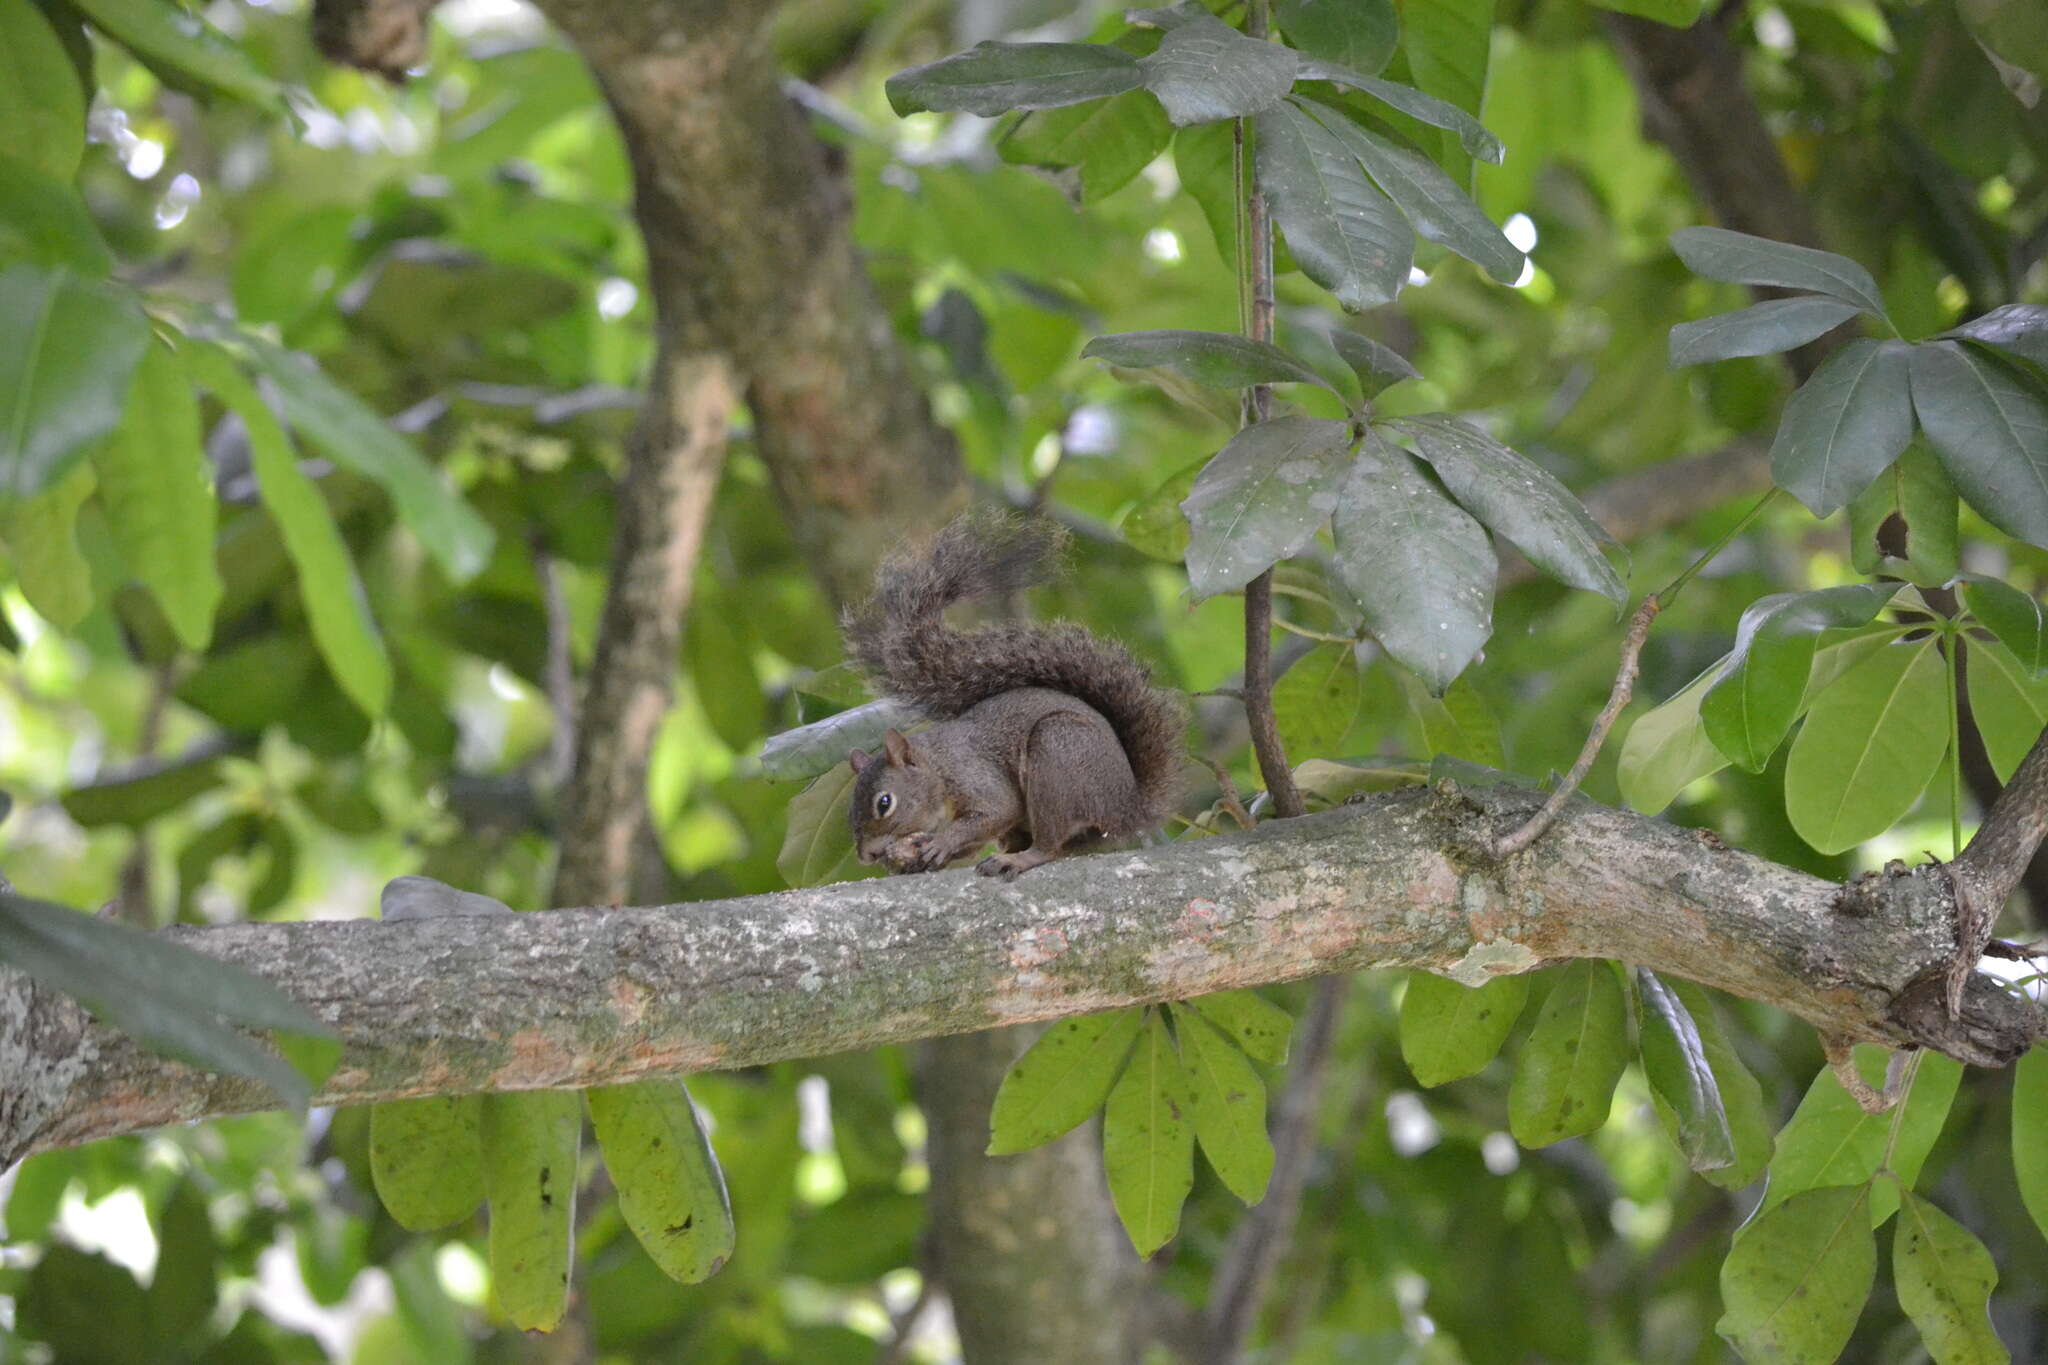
1993,1027
388,37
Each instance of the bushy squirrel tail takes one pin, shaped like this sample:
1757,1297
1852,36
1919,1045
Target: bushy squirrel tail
901,640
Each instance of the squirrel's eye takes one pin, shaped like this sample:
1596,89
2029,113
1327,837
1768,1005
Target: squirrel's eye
883,802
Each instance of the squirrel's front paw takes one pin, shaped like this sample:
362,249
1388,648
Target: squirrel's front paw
909,852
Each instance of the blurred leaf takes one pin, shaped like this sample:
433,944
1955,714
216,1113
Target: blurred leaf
87,1309
427,1159
1676,1064
165,995
1468,134
1345,235
1448,45
1203,157
1221,360
40,532
1566,1073
42,220
1418,566
2010,707
1739,258
1205,70
1107,144
185,1287
1945,1278
1759,684
1870,745
530,1143
1155,526
1251,1021
721,668
671,1190
817,747
1989,424
1358,35
182,48
1761,329
1227,1102
1148,1145
2029,1135
994,78
1798,1276
137,794
157,489
1676,13
64,379
42,108
2013,616
1459,724
817,847
1316,700
855,1240
1062,1079
2016,32
1905,524
1263,498
1450,1031
1846,425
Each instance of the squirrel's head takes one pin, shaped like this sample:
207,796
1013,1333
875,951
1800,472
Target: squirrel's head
894,794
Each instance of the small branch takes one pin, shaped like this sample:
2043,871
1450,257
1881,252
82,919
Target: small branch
1232,802
561,669
1624,688
1842,1061
1258,696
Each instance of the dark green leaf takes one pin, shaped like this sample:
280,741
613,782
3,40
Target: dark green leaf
1148,1145
1220,360
1870,745
1346,235
2013,31
64,373
1676,1064
1417,565
1471,134
1760,329
2013,616
1945,1278
1758,687
42,220
994,78
1378,367
185,1286
182,48
1989,425
1062,1079
42,108
1106,144
812,749
1749,1123
1431,201
1449,1031
1521,501
1263,498
1739,258
136,795
1905,524
1566,1073
87,1309
1846,425
1227,1101
2029,1134
1448,45
1676,13
1358,35
1316,700
1795,1283
2020,329
1205,70
1251,1021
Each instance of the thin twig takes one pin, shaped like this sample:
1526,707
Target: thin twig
1232,802
1258,697
561,668
1305,633
1624,688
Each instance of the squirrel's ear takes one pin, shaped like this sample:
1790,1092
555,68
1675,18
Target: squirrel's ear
898,748
859,759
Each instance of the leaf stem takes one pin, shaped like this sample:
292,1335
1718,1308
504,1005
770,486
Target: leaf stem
1308,634
1670,591
1953,645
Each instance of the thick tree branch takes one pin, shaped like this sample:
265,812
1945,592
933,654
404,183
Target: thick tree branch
588,997
1998,856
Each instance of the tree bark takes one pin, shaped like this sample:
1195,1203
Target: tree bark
591,997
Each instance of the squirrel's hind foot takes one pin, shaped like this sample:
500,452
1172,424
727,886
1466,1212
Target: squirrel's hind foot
1009,866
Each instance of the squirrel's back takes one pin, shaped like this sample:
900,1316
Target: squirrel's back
900,638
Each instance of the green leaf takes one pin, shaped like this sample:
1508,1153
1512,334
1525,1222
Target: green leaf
87,1309
44,222
1845,426
2009,706
1831,1140
1448,44
1760,684
1742,1101
157,488
1870,745
1154,525
1316,700
671,1190
1204,70
994,78
1358,35
1905,524
427,1159
166,996
1739,258
1227,1101
1989,425
1062,1079
1760,329
1449,1031
40,533
1220,360
1345,235
1378,367
812,749
1472,137
2013,616
531,1141
1431,201
721,667
337,609
1263,498
42,107
65,372
1203,157
2013,30
1519,500
1251,1021
1148,1145
2029,1133
1418,566
1797,1278
356,438
182,48
1681,1075
141,792
817,845
1460,724
1566,1073
186,1285
1945,1278
1676,13
1107,144
2019,329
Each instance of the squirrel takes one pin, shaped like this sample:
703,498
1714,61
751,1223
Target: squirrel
1049,738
